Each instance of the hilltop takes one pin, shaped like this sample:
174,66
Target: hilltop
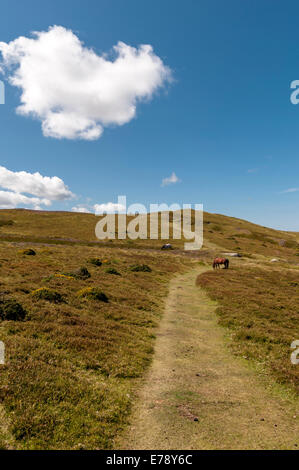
221,232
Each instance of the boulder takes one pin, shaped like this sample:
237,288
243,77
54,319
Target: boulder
234,255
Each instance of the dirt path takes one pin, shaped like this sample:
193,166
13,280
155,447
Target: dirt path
197,395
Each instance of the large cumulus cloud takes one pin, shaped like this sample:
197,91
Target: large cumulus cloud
72,90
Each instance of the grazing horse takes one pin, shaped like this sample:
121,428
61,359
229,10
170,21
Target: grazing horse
218,261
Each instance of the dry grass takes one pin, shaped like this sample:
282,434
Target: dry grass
227,233
260,306
71,366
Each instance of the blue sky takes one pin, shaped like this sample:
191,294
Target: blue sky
225,125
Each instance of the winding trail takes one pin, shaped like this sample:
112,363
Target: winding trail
197,395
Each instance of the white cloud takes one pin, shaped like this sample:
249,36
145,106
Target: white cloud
109,208
291,190
23,187
81,209
172,179
34,183
72,90
10,200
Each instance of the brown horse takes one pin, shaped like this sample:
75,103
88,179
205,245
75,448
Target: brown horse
218,261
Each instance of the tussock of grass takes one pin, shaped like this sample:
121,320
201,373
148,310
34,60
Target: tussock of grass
141,268
93,293
80,273
112,271
95,261
46,294
261,308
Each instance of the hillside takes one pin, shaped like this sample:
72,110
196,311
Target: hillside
78,318
220,232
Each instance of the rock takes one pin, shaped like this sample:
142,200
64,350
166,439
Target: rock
195,419
233,255
167,246
274,260
81,273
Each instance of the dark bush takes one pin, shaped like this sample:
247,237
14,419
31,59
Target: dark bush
80,273
95,261
112,271
11,310
93,293
141,268
47,294
27,252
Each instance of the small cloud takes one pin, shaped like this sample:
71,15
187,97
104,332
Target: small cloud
30,189
81,209
109,208
252,170
290,190
172,179
52,188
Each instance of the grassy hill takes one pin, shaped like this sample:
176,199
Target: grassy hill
220,232
78,318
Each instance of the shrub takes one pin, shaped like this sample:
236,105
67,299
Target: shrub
27,252
141,268
95,261
112,271
11,310
93,293
47,294
80,273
